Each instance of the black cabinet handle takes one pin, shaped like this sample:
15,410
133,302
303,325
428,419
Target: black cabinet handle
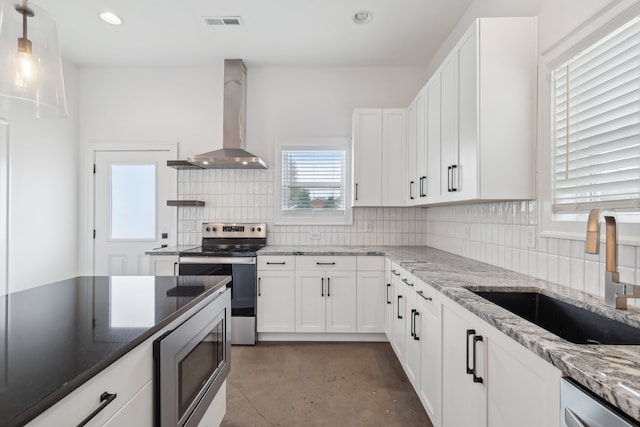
426,298
276,263
454,187
175,265
356,191
395,273
322,287
413,323
415,334
476,379
399,316
259,294
328,286
407,282
388,287
449,179
422,192
325,263
105,398
469,333
411,189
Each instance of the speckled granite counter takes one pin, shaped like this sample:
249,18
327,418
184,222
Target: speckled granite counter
611,372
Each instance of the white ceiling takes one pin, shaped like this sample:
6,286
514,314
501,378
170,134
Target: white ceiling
284,32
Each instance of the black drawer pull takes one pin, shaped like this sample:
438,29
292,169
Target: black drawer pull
276,263
395,273
325,263
322,287
328,286
399,316
259,279
388,287
413,323
415,334
422,295
407,282
469,333
476,379
105,398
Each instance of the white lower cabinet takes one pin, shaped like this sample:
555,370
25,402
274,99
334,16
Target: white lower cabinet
371,296
399,309
428,333
137,408
325,301
491,380
388,303
276,294
163,265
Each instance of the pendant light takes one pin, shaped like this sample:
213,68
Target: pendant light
30,65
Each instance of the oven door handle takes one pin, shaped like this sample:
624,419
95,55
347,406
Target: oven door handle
217,260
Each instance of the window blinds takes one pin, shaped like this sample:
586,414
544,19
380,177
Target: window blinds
313,180
596,124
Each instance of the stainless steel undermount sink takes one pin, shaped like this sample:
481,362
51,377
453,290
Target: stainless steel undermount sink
574,324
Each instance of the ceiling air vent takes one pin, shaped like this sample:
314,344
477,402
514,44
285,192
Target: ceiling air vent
222,21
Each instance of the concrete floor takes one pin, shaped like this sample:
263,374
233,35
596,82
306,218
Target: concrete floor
320,384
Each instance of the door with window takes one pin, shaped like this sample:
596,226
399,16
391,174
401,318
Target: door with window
131,216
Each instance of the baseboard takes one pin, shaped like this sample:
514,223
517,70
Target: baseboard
277,336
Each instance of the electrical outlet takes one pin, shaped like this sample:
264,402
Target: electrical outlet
368,226
314,236
531,236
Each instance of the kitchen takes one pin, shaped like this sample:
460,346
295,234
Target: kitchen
177,101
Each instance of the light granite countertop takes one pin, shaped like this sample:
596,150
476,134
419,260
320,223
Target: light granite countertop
611,372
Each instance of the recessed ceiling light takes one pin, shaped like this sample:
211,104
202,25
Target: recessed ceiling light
110,18
362,17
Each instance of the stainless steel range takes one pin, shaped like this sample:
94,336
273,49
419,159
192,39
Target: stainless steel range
230,250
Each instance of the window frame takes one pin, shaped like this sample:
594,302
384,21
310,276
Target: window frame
314,217
565,225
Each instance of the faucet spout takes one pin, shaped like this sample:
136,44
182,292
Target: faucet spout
615,293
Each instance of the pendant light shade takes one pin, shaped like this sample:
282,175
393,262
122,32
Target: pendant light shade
30,65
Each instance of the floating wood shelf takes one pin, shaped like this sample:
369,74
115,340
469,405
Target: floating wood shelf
181,164
185,203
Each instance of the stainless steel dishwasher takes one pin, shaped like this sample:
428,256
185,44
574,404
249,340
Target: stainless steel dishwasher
581,408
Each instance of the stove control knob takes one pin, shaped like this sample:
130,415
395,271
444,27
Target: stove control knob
215,228
208,229
253,229
259,229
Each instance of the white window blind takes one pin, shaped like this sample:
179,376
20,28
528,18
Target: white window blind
596,124
313,181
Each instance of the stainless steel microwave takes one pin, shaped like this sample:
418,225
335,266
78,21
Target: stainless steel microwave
190,364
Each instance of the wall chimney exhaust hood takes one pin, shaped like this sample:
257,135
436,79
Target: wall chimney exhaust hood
232,155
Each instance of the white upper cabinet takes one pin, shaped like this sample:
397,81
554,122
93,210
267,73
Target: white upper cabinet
367,157
431,184
488,113
416,161
380,150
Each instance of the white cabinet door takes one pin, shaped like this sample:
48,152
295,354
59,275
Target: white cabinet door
466,176
371,301
163,265
413,358
340,300
412,140
388,305
367,147
138,411
428,332
449,123
420,155
464,402
310,301
523,389
433,181
276,301
394,156
399,309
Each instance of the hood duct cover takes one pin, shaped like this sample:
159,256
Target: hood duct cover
232,155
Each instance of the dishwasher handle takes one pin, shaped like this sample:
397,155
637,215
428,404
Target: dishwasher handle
572,419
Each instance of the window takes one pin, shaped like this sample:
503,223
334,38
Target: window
133,201
595,125
314,180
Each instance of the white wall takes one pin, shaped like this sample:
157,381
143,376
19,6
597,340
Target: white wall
43,193
496,233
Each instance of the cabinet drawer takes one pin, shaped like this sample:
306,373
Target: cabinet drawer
125,377
370,263
325,263
429,296
276,262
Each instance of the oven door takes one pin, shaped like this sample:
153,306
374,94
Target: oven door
191,363
243,278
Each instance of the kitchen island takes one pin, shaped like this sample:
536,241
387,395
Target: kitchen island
56,337
610,371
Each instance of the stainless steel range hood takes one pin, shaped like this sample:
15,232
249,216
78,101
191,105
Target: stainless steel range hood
232,155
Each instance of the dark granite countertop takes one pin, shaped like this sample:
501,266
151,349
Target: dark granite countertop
170,250
55,337
610,371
